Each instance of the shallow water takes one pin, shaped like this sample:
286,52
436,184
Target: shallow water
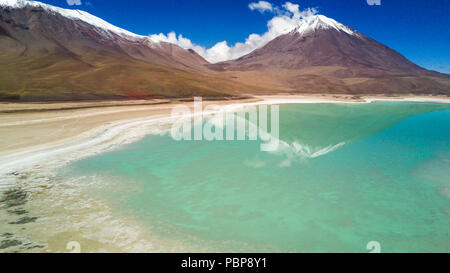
346,174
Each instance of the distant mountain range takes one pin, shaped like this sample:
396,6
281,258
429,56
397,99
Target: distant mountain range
49,53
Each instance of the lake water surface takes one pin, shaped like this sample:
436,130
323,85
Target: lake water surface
346,174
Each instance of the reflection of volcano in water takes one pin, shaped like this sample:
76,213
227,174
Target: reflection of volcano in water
310,131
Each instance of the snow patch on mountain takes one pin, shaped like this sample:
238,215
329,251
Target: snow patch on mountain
313,23
72,14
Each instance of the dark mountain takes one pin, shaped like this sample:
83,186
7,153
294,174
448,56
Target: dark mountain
322,55
48,53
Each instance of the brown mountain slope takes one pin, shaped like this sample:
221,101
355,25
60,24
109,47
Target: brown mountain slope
47,56
325,56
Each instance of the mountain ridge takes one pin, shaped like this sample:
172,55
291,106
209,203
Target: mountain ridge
49,53
71,14
47,56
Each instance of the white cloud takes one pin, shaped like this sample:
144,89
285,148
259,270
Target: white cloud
74,2
261,6
374,2
286,19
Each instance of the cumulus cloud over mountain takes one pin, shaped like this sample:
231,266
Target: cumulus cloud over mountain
285,19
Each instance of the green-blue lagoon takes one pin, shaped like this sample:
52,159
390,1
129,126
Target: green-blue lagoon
345,175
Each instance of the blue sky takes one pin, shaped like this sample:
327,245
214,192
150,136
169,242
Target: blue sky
417,29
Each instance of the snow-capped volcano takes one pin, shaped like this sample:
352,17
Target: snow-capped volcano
323,55
42,27
52,53
71,14
316,22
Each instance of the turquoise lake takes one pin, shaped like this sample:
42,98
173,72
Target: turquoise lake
347,175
